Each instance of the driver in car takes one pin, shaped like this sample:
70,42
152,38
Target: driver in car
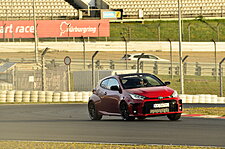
143,82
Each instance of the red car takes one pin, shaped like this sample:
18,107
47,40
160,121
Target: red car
131,96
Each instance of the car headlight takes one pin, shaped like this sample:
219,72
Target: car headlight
175,94
135,96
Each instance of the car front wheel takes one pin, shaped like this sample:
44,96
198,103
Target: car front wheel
92,112
141,118
125,112
174,117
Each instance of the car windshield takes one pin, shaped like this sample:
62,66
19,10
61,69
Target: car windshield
140,80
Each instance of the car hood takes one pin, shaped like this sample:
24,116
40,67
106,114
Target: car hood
152,92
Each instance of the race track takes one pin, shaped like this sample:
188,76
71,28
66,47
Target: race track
70,122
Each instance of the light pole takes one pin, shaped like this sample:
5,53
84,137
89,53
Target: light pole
183,60
93,68
159,32
218,31
125,40
43,69
84,53
35,34
180,49
189,32
98,31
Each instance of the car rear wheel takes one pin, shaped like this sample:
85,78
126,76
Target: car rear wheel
92,112
125,112
174,117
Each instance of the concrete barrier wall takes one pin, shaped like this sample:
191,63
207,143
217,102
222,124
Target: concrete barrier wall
10,96
202,98
111,46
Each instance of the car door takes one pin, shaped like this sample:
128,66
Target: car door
102,92
111,98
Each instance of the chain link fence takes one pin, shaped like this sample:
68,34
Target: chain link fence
29,77
199,78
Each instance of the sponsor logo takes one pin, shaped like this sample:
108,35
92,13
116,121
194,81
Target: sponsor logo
111,14
18,29
69,28
160,97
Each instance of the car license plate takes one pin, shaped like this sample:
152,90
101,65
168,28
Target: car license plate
161,105
164,110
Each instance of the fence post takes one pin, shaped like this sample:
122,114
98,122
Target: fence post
171,59
138,62
197,69
215,58
155,68
112,65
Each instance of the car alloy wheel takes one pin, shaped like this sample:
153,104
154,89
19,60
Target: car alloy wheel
125,113
92,112
174,117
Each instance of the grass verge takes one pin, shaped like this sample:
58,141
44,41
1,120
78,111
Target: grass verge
67,145
194,84
220,111
193,30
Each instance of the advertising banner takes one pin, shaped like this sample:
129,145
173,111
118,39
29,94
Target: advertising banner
55,28
111,14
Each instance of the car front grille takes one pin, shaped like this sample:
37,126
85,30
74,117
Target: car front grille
149,107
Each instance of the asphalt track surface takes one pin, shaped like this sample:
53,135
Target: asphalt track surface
70,122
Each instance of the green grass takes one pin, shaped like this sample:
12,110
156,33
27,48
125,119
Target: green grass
195,84
64,145
219,111
200,30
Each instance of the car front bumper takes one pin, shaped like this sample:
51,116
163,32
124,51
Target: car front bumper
155,107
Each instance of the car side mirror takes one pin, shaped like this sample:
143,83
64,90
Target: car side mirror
116,88
94,91
167,83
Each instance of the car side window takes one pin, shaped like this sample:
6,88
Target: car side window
153,57
145,56
136,56
104,84
113,82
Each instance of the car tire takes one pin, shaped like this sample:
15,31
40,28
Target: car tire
125,112
174,117
93,113
141,118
